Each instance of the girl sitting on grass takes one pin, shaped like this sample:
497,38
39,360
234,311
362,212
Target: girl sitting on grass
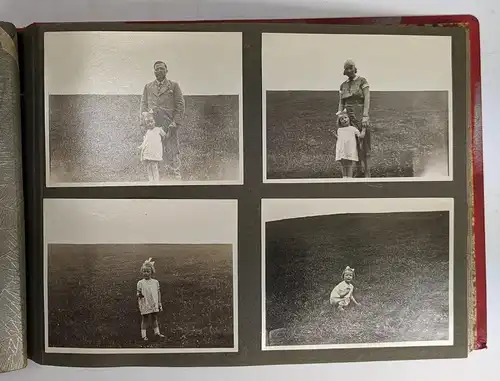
342,295
149,299
346,149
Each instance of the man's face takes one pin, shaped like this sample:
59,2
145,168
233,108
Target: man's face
160,71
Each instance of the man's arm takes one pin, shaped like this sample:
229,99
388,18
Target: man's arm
159,297
144,102
180,106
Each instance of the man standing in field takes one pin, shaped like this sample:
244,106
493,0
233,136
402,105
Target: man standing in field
164,97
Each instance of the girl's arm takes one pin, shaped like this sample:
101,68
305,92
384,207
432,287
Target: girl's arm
354,300
139,290
351,296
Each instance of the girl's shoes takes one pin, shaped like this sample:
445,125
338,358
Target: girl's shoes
160,335
145,338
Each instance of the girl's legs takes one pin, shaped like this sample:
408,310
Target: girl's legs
334,300
155,171
342,304
156,327
150,170
144,326
349,168
343,167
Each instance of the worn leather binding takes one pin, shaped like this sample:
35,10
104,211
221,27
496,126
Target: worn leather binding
12,270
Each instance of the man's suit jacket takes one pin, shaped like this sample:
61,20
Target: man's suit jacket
166,101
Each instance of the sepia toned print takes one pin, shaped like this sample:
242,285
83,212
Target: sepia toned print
147,278
354,274
387,89
96,129
101,297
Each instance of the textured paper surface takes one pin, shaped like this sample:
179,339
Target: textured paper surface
12,311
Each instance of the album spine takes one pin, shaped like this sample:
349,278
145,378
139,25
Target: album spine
32,189
477,188
12,275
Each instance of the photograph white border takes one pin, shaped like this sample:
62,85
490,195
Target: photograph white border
284,209
51,184
334,89
93,216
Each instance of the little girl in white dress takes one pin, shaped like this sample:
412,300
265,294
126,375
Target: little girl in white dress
346,148
342,294
152,147
149,299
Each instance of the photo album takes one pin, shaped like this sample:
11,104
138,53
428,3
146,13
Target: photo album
238,193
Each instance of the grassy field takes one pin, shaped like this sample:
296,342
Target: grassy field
92,295
409,134
95,138
401,262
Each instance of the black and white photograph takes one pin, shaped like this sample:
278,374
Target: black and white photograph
140,276
361,108
143,108
357,273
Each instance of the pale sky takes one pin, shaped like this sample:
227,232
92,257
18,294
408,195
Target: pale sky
389,63
122,62
80,221
280,209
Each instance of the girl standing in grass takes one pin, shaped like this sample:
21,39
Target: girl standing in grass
346,150
149,299
342,295
152,147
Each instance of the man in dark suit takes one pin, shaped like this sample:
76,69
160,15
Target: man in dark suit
164,97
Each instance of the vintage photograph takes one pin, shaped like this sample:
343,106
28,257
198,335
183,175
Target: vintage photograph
357,273
127,278
143,108
342,107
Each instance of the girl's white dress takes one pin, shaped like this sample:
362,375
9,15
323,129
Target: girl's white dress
346,147
152,145
149,288
340,292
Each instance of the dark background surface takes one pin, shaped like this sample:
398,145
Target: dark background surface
93,304
409,133
249,195
402,277
95,138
